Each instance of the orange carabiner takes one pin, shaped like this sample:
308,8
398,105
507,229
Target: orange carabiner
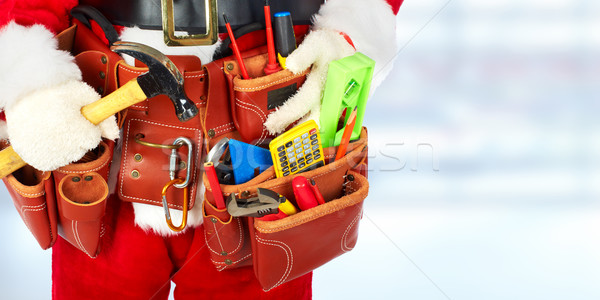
166,205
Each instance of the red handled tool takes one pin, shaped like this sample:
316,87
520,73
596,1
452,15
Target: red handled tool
213,182
316,191
272,65
305,197
236,50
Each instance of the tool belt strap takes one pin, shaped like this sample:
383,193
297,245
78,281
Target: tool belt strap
190,15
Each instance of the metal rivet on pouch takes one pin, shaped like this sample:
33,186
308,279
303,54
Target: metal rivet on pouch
102,75
135,173
201,79
224,253
138,157
228,262
202,97
211,133
76,179
88,178
350,177
214,220
103,59
182,165
229,67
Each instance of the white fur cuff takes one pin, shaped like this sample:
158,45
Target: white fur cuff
30,60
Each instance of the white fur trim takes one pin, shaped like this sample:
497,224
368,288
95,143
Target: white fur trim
371,24
3,132
46,127
152,218
154,39
318,49
30,60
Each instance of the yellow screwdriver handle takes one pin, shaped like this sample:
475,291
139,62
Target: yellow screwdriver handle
96,112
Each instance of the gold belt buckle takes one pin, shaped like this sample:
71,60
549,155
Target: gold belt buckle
208,38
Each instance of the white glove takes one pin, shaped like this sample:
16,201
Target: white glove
48,131
318,49
42,95
371,26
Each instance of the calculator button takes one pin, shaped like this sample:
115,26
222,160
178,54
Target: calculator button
284,164
315,147
286,173
314,142
285,169
313,137
308,161
299,156
305,135
307,151
290,150
317,156
282,153
288,144
299,150
306,147
301,160
305,141
294,169
297,145
307,156
293,165
301,166
290,155
293,159
296,140
282,159
281,148
313,131
316,153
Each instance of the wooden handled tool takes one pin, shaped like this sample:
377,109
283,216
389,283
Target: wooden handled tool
162,78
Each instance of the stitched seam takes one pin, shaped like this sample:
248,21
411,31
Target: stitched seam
218,238
259,112
241,236
312,218
224,129
28,195
235,262
256,88
77,238
79,172
344,241
125,162
290,261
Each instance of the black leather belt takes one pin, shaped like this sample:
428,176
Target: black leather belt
190,14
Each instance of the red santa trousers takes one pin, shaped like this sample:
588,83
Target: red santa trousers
134,264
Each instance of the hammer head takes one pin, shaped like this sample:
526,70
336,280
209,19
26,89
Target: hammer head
162,77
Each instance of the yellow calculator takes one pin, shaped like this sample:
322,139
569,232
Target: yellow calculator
297,150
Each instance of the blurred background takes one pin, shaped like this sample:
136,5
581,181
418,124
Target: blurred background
484,151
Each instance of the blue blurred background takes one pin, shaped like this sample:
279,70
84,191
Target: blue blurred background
484,151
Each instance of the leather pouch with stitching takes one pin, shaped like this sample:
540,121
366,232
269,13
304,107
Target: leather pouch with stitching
32,192
252,100
230,239
295,245
81,193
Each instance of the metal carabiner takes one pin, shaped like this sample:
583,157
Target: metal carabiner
173,161
166,205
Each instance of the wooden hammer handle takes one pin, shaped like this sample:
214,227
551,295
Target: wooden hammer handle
96,112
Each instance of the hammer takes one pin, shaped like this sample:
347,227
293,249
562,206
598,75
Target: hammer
162,78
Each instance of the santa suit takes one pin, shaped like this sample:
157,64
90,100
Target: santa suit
139,257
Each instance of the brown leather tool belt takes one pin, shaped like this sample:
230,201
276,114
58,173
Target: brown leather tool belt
190,15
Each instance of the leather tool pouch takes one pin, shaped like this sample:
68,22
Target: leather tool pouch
285,249
81,194
32,192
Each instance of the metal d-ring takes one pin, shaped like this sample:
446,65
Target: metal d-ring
139,137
